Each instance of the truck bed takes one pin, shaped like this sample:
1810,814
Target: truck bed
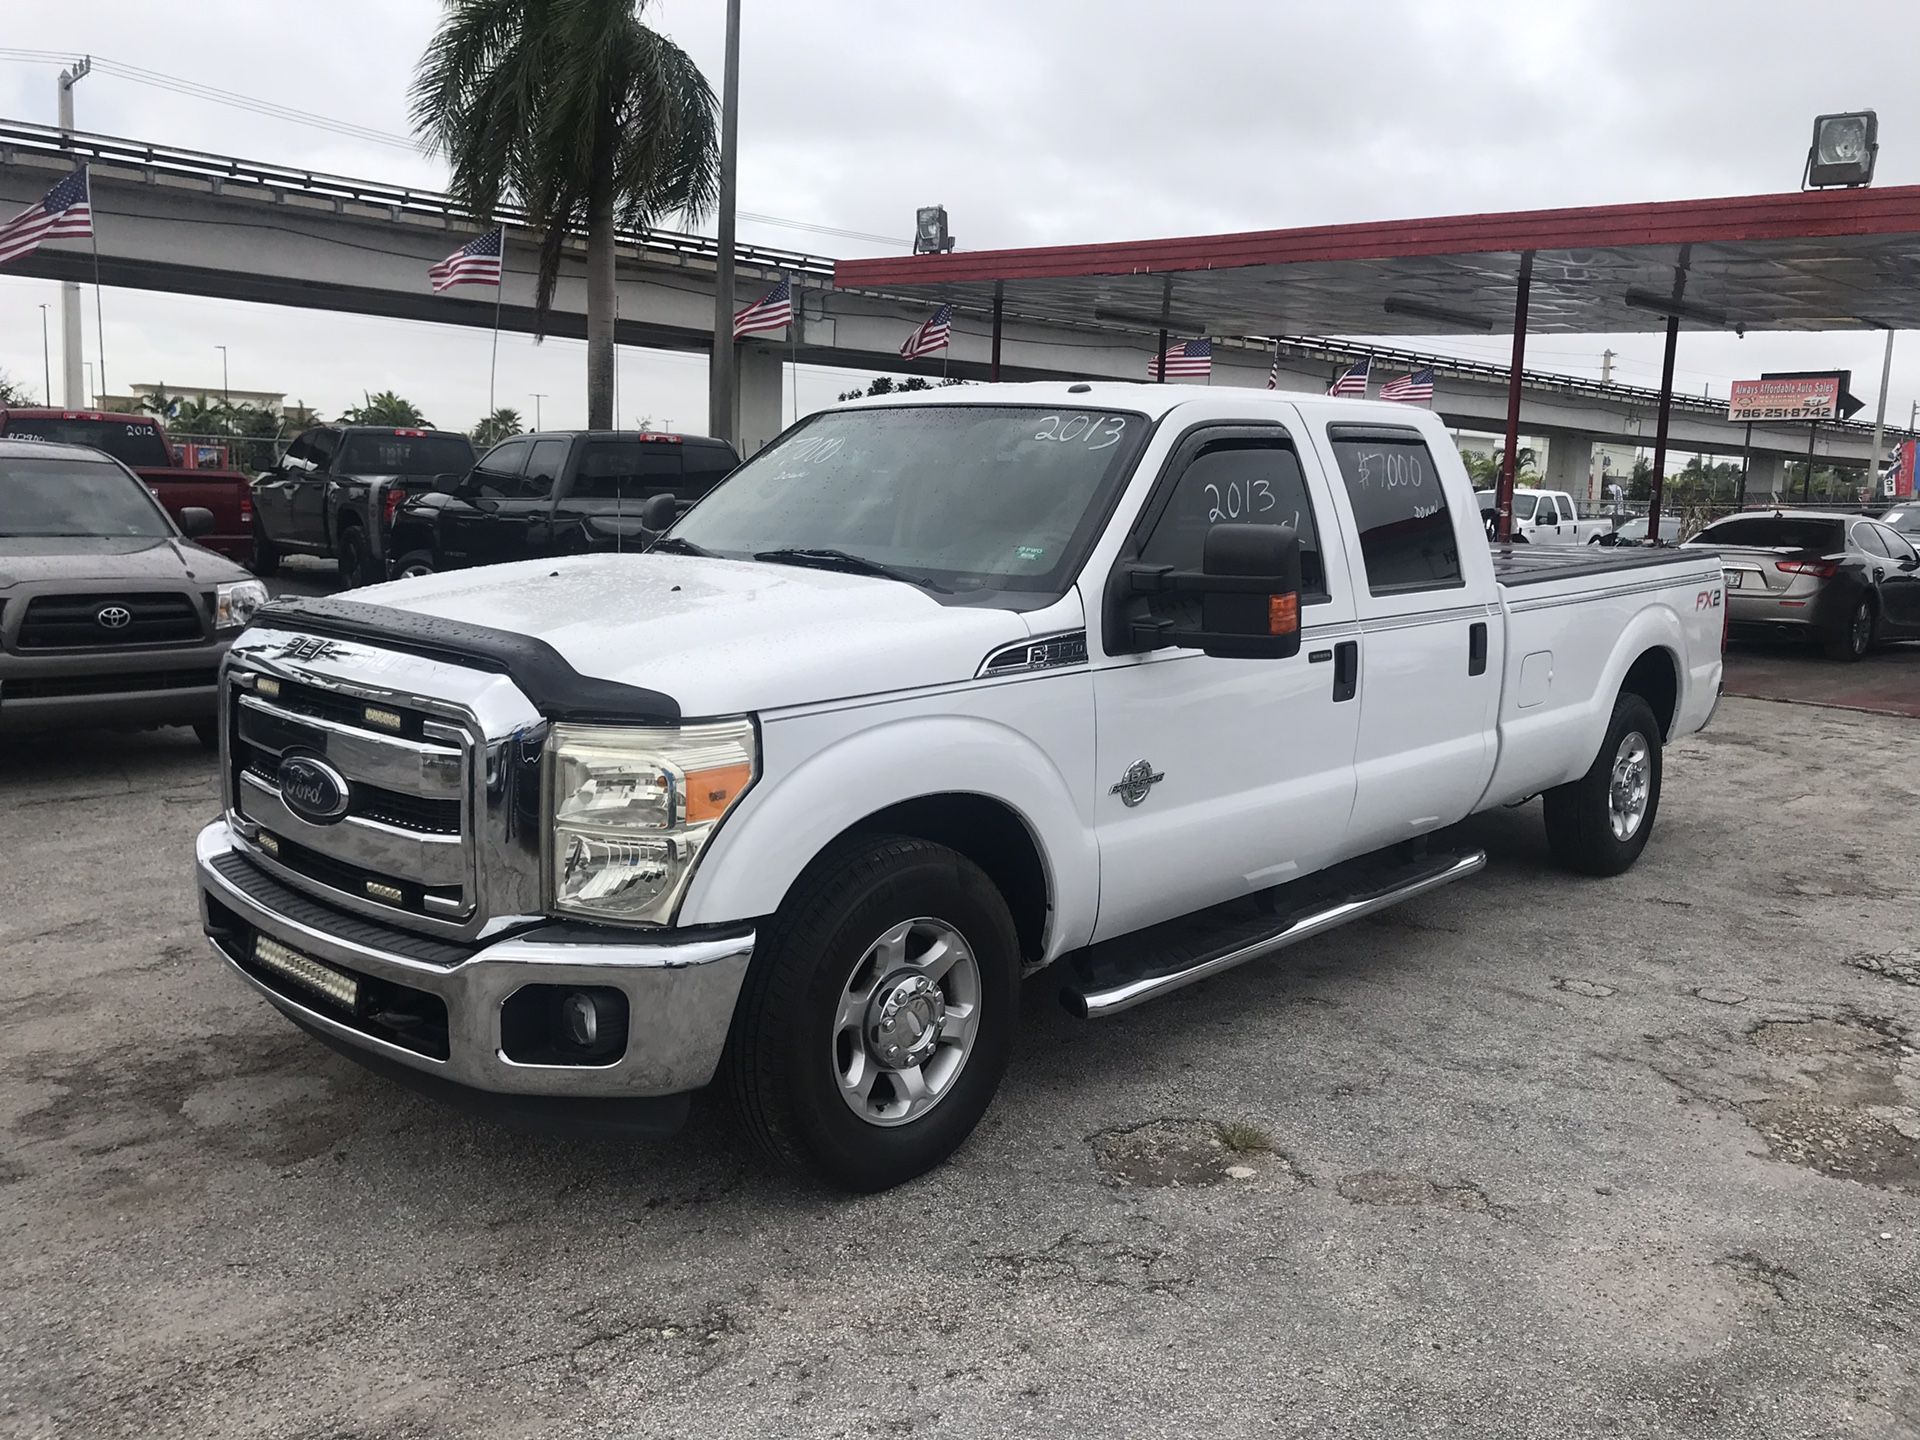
1515,565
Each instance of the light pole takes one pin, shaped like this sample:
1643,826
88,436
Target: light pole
538,396
70,292
721,377
46,357
224,400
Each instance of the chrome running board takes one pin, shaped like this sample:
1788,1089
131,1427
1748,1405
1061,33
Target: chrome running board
1242,938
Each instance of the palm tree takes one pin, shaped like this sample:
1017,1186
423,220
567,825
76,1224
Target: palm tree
496,427
582,116
386,408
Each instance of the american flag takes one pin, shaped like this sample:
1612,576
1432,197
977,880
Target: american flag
1354,382
1415,389
773,311
475,263
932,334
63,214
1189,357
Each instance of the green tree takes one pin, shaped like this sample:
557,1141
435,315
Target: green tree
386,408
496,427
12,392
582,116
160,404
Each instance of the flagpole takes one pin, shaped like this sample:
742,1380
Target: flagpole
794,312
99,321
499,290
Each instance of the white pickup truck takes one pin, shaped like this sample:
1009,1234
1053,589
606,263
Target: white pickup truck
1136,682
1547,517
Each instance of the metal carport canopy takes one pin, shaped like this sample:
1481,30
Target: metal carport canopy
1816,260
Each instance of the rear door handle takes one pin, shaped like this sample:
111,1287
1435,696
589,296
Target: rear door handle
1346,670
1477,648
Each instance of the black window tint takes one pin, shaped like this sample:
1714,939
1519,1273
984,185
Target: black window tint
1248,480
628,471
1897,545
544,465
509,457
707,465
129,439
299,454
1772,532
1406,535
1868,539
322,445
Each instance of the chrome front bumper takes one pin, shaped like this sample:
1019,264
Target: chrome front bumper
680,992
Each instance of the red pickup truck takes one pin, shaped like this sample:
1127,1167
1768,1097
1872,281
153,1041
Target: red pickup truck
139,443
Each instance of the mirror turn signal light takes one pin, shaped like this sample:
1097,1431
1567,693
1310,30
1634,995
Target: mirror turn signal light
1283,614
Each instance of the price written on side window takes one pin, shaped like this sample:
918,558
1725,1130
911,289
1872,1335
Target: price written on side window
1096,432
1388,469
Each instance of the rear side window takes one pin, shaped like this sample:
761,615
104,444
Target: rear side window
1897,544
1772,532
544,465
1400,508
628,471
1868,539
1245,479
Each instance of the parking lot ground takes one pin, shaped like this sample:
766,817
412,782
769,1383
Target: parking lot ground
1533,1155
1887,682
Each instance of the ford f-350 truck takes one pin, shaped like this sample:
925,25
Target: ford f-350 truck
1134,682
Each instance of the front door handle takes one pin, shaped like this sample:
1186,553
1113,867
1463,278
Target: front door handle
1477,648
1346,670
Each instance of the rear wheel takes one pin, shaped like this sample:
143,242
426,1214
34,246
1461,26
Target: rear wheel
878,1015
413,564
266,555
356,559
1599,824
1855,637
207,732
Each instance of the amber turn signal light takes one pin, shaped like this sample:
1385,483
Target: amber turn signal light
1283,614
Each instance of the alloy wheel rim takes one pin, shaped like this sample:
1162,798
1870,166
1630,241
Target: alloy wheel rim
906,1023
1630,785
414,572
1862,628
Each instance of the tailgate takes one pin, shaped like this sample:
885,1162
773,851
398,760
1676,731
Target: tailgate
227,493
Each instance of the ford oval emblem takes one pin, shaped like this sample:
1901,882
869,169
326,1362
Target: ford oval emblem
313,789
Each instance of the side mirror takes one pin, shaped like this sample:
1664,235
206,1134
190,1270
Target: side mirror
1248,588
658,512
446,482
196,521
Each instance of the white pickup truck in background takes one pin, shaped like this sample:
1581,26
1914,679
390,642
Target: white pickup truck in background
1548,517
1137,682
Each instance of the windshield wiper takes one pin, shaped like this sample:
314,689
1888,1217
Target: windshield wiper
825,559
674,545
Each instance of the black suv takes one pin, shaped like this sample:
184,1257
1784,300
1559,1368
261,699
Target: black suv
336,489
556,493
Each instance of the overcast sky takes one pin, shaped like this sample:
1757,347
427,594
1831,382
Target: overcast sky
1034,122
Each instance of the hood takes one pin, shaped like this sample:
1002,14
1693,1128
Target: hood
87,558
722,637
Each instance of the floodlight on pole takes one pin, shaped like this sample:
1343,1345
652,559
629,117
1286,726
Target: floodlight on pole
930,235
1844,148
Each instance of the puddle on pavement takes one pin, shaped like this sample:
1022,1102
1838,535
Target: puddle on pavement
1843,1098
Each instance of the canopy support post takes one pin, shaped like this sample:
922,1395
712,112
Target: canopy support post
999,307
1659,488
1503,489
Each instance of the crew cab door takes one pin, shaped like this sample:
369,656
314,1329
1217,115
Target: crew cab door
612,477
468,527
1430,635
1241,771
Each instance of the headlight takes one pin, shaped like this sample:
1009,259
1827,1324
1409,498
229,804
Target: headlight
233,605
632,809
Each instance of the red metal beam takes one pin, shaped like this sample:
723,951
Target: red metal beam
1503,490
1802,215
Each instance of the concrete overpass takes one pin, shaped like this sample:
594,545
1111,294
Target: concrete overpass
190,223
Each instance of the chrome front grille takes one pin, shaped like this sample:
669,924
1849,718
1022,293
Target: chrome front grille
405,844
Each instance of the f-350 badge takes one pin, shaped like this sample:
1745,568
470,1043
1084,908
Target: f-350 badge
1134,785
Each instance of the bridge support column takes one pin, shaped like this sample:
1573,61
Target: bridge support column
760,396
1765,477
1570,465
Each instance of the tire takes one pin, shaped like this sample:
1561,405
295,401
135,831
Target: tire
356,562
793,1056
207,732
266,555
414,562
1856,635
1583,828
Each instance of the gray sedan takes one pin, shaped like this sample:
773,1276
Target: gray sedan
1844,581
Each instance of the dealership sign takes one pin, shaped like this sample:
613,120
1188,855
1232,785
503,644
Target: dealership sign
1782,397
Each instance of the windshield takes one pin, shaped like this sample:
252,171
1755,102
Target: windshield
973,497
55,495
1772,532
394,454
1906,521
130,440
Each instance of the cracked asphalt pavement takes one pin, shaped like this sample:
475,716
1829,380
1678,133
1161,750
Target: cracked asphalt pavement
1532,1155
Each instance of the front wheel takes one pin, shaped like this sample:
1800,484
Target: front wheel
1599,824
414,564
356,559
878,1015
265,560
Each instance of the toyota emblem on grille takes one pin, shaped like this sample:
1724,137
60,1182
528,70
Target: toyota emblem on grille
113,617
313,789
